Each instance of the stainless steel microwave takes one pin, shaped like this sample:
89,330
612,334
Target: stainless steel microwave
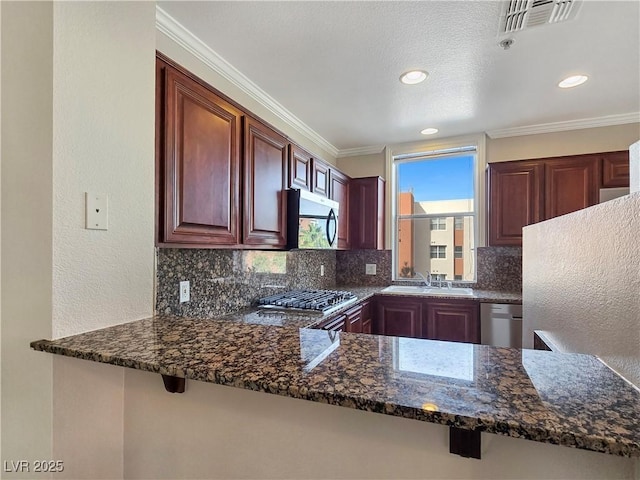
312,220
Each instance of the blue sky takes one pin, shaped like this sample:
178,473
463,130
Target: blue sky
438,179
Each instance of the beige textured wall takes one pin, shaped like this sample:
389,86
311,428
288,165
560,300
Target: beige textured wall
363,165
581,278
26,230
177,53
78,83
573,142
103,142
212,431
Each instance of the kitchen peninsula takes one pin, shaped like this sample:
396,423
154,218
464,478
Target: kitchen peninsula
562,399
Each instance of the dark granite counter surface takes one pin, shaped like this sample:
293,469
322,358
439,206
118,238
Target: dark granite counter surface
566,399
299,319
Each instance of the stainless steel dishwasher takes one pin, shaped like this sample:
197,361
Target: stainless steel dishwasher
501,324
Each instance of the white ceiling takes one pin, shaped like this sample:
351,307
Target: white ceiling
335,65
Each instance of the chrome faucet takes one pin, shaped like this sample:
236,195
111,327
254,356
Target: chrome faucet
426,280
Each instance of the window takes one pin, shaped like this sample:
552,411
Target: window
439,277
434,203
439,223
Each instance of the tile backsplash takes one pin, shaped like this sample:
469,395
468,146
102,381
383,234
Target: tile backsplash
499,268
350,267
224,281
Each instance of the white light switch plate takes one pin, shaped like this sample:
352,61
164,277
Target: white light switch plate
97,211
370,269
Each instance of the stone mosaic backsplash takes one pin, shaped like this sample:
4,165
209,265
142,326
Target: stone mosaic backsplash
350,267
499,268
224,281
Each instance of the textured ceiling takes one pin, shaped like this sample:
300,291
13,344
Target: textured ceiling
335,65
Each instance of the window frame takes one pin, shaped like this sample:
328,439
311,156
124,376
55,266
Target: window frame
439,249
439,147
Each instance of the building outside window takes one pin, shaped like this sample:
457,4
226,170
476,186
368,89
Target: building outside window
439,277
434,197
439,223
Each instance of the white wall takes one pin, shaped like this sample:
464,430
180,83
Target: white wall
581,279
212,431
79,85
572,142
26,229
103,142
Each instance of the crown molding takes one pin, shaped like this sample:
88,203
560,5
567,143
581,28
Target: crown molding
170,27
605,121
353,152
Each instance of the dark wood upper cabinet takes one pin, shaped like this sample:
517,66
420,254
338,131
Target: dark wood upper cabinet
398,316
339,191
265,182
452,321
528,191
198,149
320,177
515,200
366,215
299,168
570,184
615,169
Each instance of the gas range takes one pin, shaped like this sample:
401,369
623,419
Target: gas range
310,301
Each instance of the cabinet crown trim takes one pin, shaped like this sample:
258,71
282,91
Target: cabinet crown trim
170,27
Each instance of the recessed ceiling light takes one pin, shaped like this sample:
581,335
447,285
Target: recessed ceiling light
413,77
573,81
429,131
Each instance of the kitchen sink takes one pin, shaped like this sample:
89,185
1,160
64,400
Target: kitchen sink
423,290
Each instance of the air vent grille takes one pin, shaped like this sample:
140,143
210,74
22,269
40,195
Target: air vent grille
521,14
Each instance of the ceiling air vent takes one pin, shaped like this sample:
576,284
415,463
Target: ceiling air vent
521,14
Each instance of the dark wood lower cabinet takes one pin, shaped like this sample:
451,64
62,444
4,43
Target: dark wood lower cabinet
433,319
452,321
414,317
367,317
399,317
335,324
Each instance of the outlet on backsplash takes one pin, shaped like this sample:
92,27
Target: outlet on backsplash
370,269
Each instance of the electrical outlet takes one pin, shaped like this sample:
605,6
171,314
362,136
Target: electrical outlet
370,269
185,291
322,270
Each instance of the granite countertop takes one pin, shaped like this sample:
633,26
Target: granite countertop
550,397
301,319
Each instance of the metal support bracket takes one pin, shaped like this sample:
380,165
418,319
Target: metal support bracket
465,443
173,384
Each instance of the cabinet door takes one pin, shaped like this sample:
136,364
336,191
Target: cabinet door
339,191
366,214
265,167
299,168
452,321
367,320
398,316
615,169
320,177
571,183
337,324
354,319
515,200
200,168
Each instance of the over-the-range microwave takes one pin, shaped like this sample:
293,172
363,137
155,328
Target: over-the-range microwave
312,220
